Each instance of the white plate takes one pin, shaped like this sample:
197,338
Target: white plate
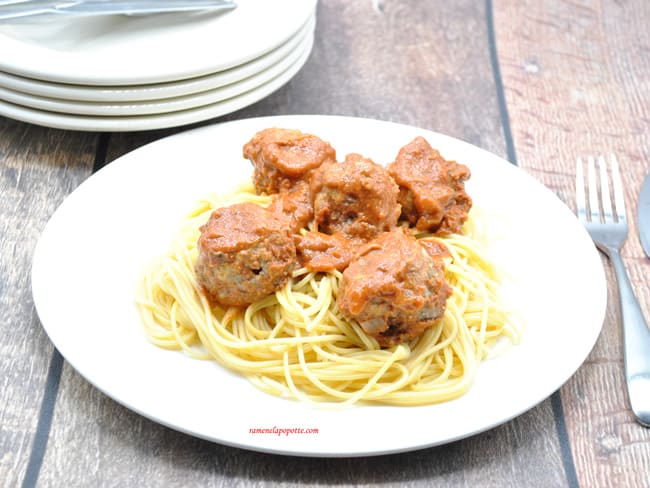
154,121
127,50
155,91
161,106
93,249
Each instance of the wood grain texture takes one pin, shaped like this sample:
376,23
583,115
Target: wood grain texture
38,168
577,81
422,63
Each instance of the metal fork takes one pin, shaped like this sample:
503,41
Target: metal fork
608,228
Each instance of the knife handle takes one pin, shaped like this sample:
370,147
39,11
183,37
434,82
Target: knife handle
636,343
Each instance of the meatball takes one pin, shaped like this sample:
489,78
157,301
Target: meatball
357,198
393,289
431,189
245,253
281,157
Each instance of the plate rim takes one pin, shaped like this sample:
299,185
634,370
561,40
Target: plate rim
163,105
72,67
155,121
154,91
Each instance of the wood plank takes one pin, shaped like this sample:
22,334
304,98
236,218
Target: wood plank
576,80
38,168
411,62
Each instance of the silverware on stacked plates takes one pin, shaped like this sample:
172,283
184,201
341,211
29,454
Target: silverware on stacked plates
133,72
23,9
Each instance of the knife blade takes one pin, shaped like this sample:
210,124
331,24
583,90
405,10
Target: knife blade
21,9
643,215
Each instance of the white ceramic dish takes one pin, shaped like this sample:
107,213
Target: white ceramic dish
92,252
155,91
128,50
154,121
161,106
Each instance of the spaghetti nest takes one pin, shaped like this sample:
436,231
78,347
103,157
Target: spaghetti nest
296,343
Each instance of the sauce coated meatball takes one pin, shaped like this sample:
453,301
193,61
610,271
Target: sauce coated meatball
431,189
245,253
282,157
393,289
357,198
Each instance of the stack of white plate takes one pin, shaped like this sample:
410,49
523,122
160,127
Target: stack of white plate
128,73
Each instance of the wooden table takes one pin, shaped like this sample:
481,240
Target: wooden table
538,83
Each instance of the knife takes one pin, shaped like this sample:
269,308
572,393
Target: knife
13,9
643,215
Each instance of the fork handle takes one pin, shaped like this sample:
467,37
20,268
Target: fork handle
636,343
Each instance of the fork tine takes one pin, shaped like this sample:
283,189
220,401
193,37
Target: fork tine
619,199
581,204
592,185
605,200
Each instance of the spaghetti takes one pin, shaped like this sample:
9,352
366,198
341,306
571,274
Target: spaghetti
296,343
